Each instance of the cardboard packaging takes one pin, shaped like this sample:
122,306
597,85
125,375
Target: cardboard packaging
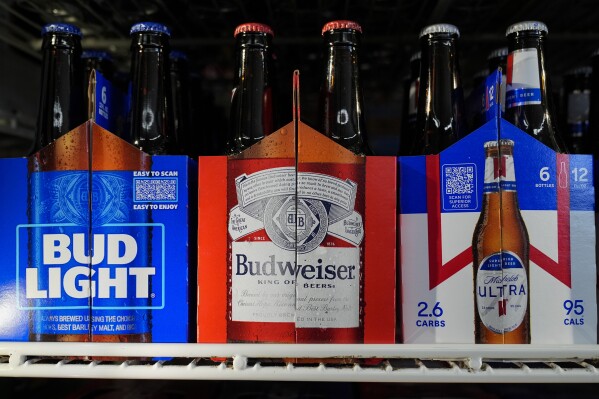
296,242
95,241
548,287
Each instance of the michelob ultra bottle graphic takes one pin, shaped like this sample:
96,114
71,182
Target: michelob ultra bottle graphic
500,247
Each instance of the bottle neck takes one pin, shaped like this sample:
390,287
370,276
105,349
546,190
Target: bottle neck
251,116
499,172
150,117
342,104
440,97
528,99
61,105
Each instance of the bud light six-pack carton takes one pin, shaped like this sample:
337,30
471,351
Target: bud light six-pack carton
96,238
497,240
297,242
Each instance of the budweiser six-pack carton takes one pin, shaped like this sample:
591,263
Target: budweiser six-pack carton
296,242
497,240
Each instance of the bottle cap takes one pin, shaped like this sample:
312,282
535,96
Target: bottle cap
526,25
253,27
341,24
416,56
101,55
496,143
178,55
155,27
61,28
498,52
439,28
583,70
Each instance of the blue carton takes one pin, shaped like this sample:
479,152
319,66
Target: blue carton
97,242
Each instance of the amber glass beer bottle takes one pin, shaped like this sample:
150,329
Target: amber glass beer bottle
410,107
342,104
500,250
150,117
61,105
252,116
100,61
440,98
60,111
529,104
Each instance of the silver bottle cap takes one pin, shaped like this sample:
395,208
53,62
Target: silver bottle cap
526,25
439,28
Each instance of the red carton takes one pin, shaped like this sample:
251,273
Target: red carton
297,242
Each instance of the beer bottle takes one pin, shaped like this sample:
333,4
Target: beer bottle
100,61
251,117
498,59
410,107
529,104
150,116
440,96
181,102
60,111
500,248
577,99
61,105
341,101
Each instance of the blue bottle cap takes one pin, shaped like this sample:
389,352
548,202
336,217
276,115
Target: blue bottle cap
178,55
61,28
155,27
101,55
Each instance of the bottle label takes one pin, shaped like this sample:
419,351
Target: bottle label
501,292
499,174
281,270
523,78
70,276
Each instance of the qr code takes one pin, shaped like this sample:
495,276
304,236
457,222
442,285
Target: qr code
459,179
156,190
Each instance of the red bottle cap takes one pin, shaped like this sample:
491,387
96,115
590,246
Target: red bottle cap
342,24
253,27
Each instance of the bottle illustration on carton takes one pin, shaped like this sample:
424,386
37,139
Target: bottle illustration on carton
500,247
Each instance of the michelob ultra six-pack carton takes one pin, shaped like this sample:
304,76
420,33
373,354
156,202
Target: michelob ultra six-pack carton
497,240
297,242
95,240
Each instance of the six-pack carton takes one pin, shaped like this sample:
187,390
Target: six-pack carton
296,242
96,238
497,240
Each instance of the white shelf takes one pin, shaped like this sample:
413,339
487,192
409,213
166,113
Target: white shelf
403,363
